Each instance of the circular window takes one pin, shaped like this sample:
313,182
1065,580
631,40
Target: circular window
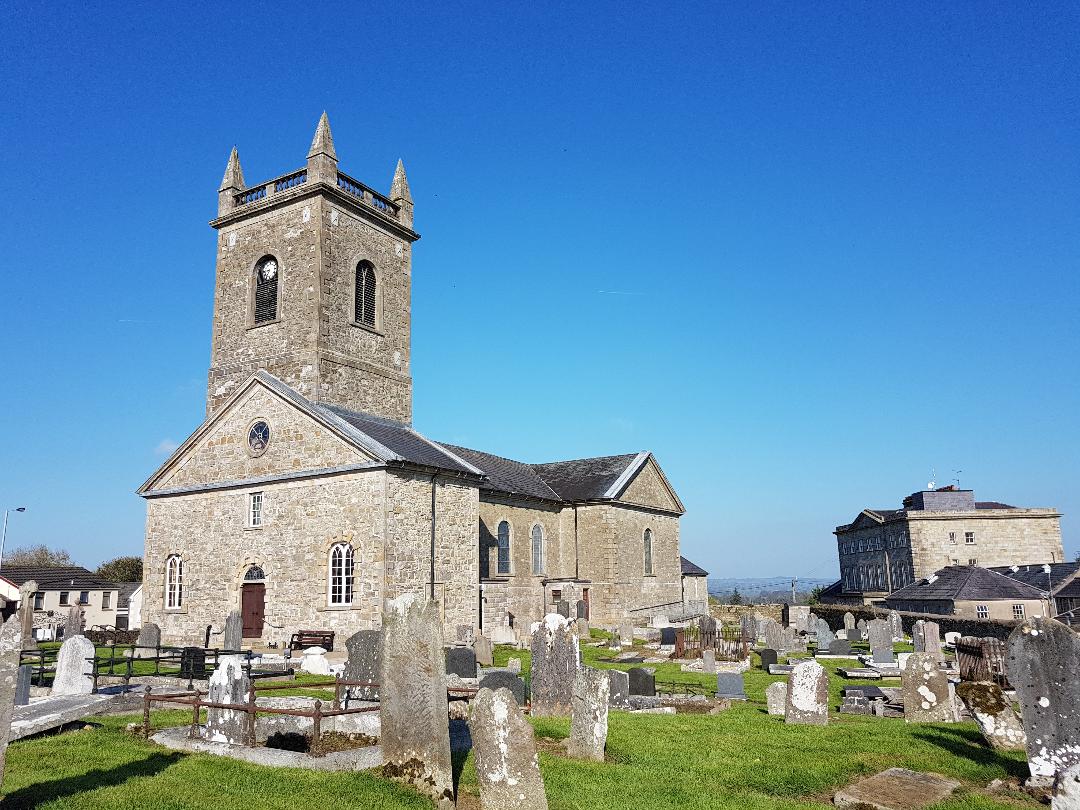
258,438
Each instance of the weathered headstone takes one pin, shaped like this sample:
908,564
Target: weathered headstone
73,622
485,651
776,697
74,667
729,685
855,703
808,695
660,620
840,646
234,631
896,788
413,711
562,607
626,632
461,661
749,627
582,629
708,662
229,685
932,639
768,657
10,648
465,634
507,767
619,687
22,688
589,715
1067,790
581,610
555,662
896,624
501,679
363,663
881,641
994,714
927,698
862,626
799,618
514,665
147,643
790,640
314,661
26,614
706,624
824,634
1042,662
774,635
849,620
642,681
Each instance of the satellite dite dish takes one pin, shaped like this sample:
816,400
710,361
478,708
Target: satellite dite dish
931,484
1046,569
932,580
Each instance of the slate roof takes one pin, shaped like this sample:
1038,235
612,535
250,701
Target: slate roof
1033,575
689,569
965,583
506,475
56,578
584,479
123,599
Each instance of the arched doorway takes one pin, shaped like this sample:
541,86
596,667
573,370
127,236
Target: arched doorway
253,601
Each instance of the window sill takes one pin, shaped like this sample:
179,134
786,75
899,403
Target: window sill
179,610
334,608
254,528
367,328
261,324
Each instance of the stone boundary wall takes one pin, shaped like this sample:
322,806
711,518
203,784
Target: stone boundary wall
112,636
834,615
730,614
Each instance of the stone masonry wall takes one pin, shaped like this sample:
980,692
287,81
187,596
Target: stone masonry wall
1002,537
648,489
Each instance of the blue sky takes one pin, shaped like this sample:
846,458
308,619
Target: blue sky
805,255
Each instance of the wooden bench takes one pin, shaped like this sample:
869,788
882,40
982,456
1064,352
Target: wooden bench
312,638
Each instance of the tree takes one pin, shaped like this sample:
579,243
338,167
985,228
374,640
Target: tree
815,595
736,597
40,555
122,569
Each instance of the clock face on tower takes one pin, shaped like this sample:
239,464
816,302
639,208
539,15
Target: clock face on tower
258,438
268,270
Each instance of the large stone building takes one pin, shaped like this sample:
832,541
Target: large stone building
306,498
883,550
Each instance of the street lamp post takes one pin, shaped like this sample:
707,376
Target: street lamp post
3,536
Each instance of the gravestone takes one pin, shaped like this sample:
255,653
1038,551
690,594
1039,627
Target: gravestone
849,621
660,620
619,687
234,631
26,614
562,607
799,618
74,669
1067,790
641,681
840,646
748,624
465,634
1042,662
896,624
229,685
504,749
581,629
314,661
626,632
415,737
667,636
824,635
862,626
881,641
768,658
555,662
192,663
615,642
776,697
501,679
513,665
855,702
461,661
774,635
10,672
993,712
589,715
22,688
485,651
147,643
932,639
730,685
581,610
363,663
896,789
73,622
808,695
927,697
790,640
708,662
706,624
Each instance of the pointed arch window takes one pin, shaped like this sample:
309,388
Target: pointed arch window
366,294
266,290
174,581
538,549
341,574
647,542
503,541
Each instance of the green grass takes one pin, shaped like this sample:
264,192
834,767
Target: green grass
741,758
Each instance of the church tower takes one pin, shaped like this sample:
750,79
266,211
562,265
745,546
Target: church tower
313,285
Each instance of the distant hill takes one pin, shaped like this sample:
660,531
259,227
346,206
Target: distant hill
764,589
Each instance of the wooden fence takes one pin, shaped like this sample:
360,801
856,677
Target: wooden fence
982,659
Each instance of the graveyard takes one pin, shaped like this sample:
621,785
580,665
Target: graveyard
703,754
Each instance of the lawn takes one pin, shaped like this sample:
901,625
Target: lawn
741,758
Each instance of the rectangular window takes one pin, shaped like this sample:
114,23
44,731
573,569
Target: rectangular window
969,538
973,561
952,537
255,510
84,597
982,612
955,561
39,600
1018,611
64,598
106,600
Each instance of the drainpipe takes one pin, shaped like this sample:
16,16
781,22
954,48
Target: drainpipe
577,564
433,477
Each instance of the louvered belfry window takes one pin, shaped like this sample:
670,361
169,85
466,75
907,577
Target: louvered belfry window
365,293
266,290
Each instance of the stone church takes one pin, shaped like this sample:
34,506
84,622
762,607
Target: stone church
306,498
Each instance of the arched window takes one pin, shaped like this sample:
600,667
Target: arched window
537,549
266,290
504,547
174,581
341,574
365,293
254,574
648,552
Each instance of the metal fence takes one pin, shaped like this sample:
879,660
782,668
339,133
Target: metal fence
982,659
729,643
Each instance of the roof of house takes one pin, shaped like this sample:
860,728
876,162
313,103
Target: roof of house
126,589
690,569
965,583
54,578
506,475
1035,575
992,505
586,479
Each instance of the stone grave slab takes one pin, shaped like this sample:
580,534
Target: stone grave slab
52,712
776,697
896,789
485,651
927,697
148,641
994,714
840,647
555,663
74,669
22,687
780,669
363,663
619,687
729,685
228,685
768,657
589,715
863,673
501,679
504,748
667,636
10,649
234,631
808,695
461,661
642,682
